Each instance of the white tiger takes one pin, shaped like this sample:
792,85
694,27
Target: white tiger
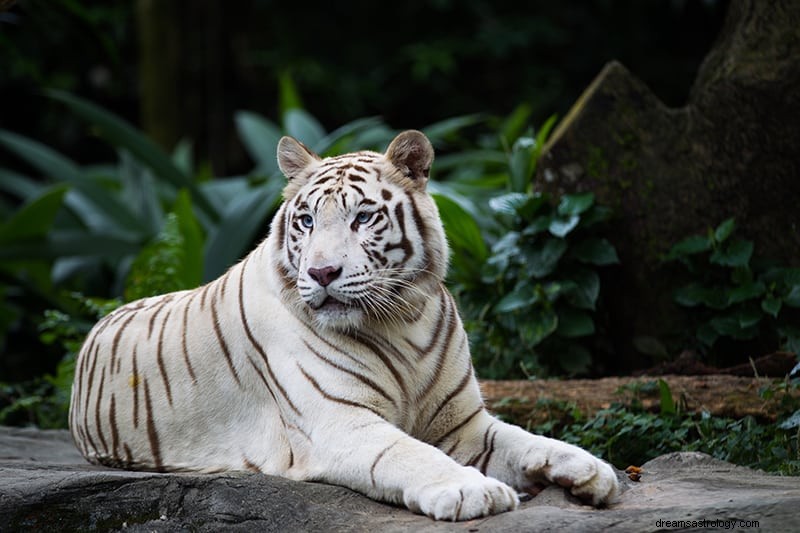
332,352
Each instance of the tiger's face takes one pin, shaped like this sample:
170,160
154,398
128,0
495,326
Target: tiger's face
358,235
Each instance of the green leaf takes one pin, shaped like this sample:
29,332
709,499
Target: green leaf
739,326
34,219
771,305
736,254
18,185
289,97
538,225
792,299
462,231
524,295
123,135
748,317
724,230
667,402
539,324
72,243
575,204
515,124
260,137
544,133
97,207
790,338
747,291
508,204
157,269
793,422
438,131
584,289
560,227
542,260
520,164
238,227
695,294
303,127
690,246
573,323
192,237
355,135
597,251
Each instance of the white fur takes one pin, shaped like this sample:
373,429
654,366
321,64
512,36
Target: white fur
357,393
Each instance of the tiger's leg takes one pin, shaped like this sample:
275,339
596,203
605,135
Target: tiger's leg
381,461
526,461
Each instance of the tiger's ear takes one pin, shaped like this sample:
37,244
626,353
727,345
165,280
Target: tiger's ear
294,156
412,153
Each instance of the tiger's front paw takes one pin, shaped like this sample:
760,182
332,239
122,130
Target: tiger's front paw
468,496
586,476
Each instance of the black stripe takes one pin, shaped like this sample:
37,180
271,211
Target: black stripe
184,348
160,305
455,428
112,420
378,458
336,399
372,346
152,433
455,392
135,385
118,337
259,348
160,357
97,411
91,381
488,456
225,351
363,379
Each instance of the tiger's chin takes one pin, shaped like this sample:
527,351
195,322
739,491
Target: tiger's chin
337,315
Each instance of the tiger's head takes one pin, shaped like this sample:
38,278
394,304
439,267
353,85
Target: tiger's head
358,239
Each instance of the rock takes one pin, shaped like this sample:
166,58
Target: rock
674,172
46,486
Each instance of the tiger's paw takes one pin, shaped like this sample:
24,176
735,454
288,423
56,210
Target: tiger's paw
471,496
587,477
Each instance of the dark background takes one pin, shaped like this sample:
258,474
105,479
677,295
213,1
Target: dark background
412,63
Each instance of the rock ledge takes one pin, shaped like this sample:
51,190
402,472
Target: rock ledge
46,486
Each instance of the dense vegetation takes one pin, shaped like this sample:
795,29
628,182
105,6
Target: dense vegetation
88,222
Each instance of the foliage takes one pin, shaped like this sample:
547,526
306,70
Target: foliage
733,296
44,401
627,434
525,264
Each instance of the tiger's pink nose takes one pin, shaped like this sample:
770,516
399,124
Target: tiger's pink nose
325,275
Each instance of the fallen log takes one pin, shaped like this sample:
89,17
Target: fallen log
530,403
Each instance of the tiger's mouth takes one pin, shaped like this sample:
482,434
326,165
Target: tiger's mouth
333,304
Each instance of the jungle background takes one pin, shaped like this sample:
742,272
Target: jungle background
137,156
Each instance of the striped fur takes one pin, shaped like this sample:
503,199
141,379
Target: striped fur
332,352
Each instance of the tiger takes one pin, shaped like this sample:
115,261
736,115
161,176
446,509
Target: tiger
333,352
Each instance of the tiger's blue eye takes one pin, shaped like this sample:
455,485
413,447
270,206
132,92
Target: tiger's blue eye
307,221
363,217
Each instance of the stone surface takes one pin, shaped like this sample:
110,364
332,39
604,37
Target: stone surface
674,172
46,486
